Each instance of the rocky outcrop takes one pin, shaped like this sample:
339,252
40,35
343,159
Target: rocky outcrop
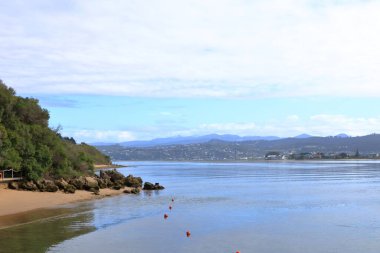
132,191
78,183
149,186
70,189
132,181
107,179
61,183
28,186
13,185
50,186
90,183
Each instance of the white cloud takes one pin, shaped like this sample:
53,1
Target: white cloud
318,125
168,48
99,135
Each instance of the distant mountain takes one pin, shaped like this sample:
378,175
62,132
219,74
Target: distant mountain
342,135
178,140
303,136
99,144
221,150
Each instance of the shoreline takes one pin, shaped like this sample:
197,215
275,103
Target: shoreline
108,166
14,202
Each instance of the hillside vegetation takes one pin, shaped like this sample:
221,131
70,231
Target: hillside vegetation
27,144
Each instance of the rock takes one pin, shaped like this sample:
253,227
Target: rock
91,182
40,185
132,181
113,175
13,185
149,186
70,189
61,183
157,186
104,175
135,191
29,186
94,190
128,191
102,183
50,186
78,183
109,183
116,187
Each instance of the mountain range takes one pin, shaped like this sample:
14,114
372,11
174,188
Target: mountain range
182,140
240,149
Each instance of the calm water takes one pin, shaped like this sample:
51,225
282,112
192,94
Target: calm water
251,207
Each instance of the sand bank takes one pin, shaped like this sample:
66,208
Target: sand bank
13,202
108,166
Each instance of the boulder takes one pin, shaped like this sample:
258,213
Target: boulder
61,183
13,185
157,186
40,185
116,187
78,183
28,186
103,175
50,186
128,191
149,186
102,183
132,181
113,175
91,182
94,190
70,189
135,191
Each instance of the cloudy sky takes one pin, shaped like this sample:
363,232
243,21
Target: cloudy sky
119,70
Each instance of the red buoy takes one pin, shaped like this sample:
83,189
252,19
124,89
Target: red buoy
172,199
170,207
166,216
237,251
188,233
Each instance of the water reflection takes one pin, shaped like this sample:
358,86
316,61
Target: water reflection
50,228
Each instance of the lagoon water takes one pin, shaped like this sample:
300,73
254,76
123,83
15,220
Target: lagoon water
288,207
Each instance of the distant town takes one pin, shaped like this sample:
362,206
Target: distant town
313,148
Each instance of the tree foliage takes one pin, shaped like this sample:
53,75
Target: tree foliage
28,145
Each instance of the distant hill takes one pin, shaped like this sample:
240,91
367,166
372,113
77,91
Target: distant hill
28,145
227,150
303,136
189,140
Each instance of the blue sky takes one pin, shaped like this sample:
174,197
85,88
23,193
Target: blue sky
112,71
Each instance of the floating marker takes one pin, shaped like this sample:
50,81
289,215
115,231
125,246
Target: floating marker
237,251
170,207
166,216
188,234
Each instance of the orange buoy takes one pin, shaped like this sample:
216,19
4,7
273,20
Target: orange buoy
170,207
188,233
166,216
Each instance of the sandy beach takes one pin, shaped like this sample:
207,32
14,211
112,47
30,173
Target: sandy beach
13,202
107,166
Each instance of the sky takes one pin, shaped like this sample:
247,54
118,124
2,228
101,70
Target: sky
122,70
